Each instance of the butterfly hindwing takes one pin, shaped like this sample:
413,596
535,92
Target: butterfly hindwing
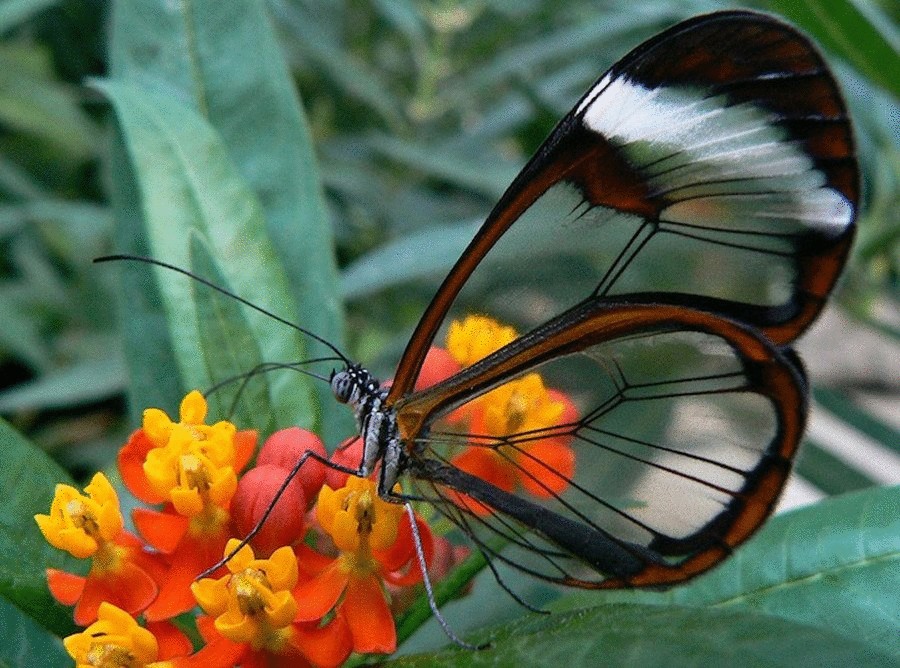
686,428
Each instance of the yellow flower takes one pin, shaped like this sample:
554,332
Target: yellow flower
254,604
476,337
519,406
357,519
192,463
79,524
114,641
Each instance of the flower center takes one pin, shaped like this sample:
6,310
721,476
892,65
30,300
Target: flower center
83,518
108,655
249,587
193,473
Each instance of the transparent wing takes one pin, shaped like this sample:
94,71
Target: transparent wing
674,437
712,167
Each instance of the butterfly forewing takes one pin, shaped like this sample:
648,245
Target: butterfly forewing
683,433
711,167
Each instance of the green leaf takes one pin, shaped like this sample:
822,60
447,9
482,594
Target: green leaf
82,382
833,565
357,78
827,471
648,635
147,344
429,253
14,12
25,644
854,29
223,328
200,51
27,481
481,174
35,104
189,188
843,407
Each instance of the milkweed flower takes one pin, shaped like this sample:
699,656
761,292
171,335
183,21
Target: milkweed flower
116,640
375,546
253,612
475,337
191,468
90,527
541,460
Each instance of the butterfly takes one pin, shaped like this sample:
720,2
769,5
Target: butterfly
702,197
722,150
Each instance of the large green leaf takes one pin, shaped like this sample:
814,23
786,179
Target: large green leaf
191,193
854,29
27,481
648,635
221,58
25,644
32,102
147,346
14,12
833,565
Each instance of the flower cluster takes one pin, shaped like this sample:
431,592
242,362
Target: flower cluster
331,564
276,601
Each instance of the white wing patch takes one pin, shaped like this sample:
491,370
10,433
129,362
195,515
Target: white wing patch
716,165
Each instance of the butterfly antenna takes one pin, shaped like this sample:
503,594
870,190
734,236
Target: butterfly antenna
265,367
159,263
429,591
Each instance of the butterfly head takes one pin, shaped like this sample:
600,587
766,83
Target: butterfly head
351,384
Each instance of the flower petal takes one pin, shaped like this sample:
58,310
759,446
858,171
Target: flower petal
317,597
369,617
193,408
172,641
244,447
219,650
175,595
212,595
327,646
129,587
66,588
547,468
401,564
163,531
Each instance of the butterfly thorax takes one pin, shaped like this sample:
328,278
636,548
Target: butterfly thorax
377,422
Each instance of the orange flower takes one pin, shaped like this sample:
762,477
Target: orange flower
375,546
253,611
91,527
115,639
192,468
476,337
189,464
543,466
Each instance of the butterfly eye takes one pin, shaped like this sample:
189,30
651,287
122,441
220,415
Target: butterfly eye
343,386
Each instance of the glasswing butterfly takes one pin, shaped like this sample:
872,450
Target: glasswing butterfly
720,149
703,194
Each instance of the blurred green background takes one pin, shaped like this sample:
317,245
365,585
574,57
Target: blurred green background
420,114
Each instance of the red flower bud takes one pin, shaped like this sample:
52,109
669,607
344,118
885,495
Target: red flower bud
348,454
285,525
284,449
